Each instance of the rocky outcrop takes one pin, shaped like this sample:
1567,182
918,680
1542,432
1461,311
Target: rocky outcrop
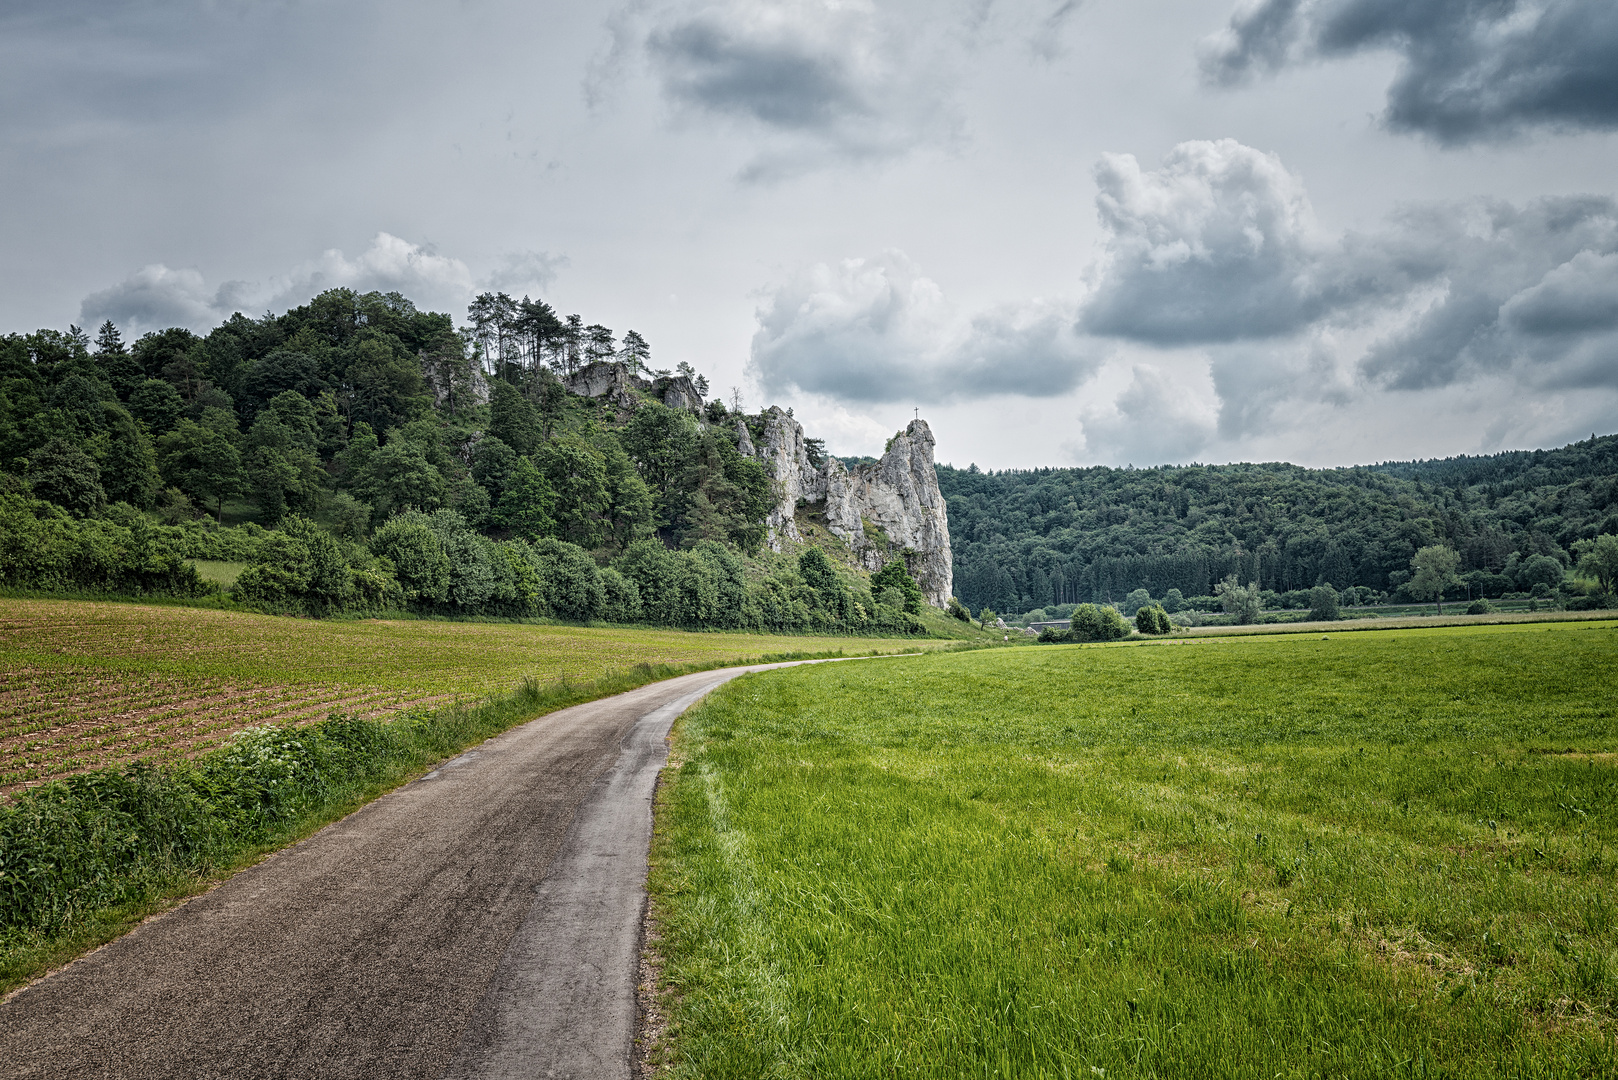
894,507
883,510
614,381
609,380
678,392
887,509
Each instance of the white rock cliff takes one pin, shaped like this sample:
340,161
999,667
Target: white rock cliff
884,510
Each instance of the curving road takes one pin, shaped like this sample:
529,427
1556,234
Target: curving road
483,921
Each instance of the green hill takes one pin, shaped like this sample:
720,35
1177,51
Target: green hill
1029,539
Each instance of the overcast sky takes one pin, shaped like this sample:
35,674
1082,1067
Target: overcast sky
1068,231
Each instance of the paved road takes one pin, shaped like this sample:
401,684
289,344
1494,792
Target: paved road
482,921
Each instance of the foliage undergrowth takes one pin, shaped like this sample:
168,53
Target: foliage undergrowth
1382,854
82,859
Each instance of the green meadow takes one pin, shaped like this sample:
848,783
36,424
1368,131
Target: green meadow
1386,853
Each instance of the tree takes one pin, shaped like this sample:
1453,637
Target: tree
1094,622
635,352
1598,558
280,462
1323,603
399,476
1137,599
513,419
896,575
409,543
385,388
157,405
578,476
299,563
1432,571
67,476
598,343
1240,601
1152,619
528,505
660,441
492,462
109,342
201,459
127,458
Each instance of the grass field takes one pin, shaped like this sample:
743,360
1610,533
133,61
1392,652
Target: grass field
84,684
218,572
1381,854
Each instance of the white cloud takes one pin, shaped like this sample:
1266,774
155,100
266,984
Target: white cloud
876,330
1166,412
1221,244
158,296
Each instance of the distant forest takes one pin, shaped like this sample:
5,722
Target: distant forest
1032,539
359,454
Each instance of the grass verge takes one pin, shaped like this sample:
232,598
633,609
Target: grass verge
1385,854
82,860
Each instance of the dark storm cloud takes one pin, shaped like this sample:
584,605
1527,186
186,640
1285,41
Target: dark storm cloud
1472,69
815,81
875,330
782,83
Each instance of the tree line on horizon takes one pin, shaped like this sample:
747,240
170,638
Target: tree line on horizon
361,453
1043,538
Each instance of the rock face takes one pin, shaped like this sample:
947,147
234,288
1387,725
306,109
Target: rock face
609,380
614,381
888,509
882,510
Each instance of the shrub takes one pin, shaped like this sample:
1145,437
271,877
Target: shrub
1152,619
957,610
1479,607
1323,603
1098,623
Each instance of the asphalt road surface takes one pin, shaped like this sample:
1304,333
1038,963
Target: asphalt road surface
483,921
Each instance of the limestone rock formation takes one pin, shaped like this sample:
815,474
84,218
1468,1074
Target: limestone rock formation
606,379
614,381
882,510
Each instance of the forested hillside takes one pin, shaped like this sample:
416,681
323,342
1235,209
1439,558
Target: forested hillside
360,454
1030,539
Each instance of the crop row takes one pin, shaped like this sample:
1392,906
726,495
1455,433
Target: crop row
54,722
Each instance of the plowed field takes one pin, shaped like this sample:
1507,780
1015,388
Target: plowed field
86,684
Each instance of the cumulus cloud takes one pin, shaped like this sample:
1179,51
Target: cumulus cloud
1218,305
1221,244
158,296
1219,248
853,79
155,297
1163,413
1470,70
876,330
1522,292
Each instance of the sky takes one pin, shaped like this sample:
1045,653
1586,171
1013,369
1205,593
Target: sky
1067,232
